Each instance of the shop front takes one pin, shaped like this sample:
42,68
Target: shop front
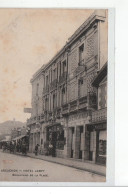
34,139
55,140
97,142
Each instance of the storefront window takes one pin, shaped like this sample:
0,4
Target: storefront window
102,143
55,135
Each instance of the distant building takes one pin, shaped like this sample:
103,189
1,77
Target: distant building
64,100
16,132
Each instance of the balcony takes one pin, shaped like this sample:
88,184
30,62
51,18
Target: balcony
31,121
53,85
63,77
46,89
83,102
92,100
79,69
42,117
81,63
73,106
50,115
99,115
58,113
65,109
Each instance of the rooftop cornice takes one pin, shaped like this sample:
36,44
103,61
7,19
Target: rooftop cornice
98,15
38,73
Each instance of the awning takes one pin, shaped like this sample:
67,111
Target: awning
19,137
5,140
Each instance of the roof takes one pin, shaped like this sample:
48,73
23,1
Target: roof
100,76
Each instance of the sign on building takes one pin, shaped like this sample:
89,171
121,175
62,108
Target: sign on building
28,110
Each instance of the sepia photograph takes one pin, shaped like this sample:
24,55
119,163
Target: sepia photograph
53,95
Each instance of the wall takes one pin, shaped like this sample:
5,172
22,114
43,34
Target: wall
103,42
37,102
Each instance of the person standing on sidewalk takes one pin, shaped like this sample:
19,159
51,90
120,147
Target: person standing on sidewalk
36,149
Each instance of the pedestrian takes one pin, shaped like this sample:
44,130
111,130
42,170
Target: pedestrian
24,148
50,149
36,149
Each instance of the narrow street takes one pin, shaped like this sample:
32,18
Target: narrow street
22,168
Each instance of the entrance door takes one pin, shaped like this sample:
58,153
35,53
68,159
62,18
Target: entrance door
72,137
80,141
101,147
91,145
54,139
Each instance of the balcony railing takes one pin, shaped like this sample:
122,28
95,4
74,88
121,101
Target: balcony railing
83,102
73,106
46,89
58,113
99,115
81,63
53,85
65,109
31,120
88,101
39,118
42,117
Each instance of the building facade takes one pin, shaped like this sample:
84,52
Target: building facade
97,129
63,96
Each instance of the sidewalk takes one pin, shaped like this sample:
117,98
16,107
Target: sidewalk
87,166
90,167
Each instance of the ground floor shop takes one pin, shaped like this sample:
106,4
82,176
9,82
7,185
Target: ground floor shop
97,135
54,139
73,137
67,138
34,137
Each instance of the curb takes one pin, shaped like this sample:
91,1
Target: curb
69,165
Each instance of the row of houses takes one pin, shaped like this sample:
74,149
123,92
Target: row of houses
69,96
18,135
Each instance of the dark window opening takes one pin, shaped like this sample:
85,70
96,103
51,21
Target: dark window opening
37,89
81,54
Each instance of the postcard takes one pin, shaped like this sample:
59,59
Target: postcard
53,95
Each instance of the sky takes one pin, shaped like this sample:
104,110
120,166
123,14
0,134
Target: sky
29,38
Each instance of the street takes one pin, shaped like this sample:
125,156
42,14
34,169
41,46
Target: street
25,169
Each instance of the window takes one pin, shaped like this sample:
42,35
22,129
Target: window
54,74
54,101
37,89
47,103
64,66
63,90
81,54
41,141
47,80
80,88
63,95
60,68
80,81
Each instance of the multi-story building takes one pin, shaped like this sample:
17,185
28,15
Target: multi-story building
63,97
97,129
